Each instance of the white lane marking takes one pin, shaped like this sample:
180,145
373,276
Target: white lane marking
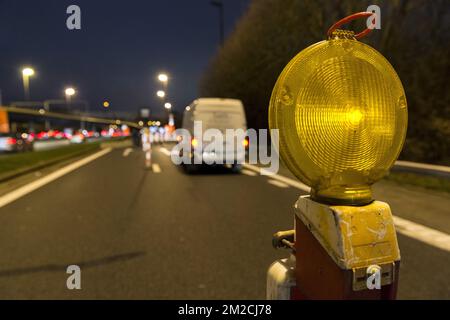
408,228
22,191
156,168
288,181
278,183
419,232
165,151
127,152
248,172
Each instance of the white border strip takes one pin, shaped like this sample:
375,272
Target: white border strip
408,228
290,182
22,191
419,232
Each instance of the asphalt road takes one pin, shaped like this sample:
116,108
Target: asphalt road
143,234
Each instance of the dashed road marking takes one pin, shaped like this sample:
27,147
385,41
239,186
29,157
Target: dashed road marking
288,181
278,183
165,151
156,168
248,172
22,191
127,152
424,234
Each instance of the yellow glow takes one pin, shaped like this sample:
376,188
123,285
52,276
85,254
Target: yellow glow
194,142
161,94
28,72
106,104
329,104
354,117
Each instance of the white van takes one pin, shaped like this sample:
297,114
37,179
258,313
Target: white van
220,114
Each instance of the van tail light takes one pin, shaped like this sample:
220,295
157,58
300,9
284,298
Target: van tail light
245,142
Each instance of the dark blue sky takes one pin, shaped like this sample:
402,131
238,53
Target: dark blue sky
118,52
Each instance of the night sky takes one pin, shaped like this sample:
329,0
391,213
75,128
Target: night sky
116,55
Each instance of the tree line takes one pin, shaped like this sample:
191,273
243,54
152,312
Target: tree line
414,37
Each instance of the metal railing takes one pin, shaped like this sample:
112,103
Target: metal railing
57,115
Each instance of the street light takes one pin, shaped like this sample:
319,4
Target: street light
163,77
26,74
168,105
161,93
69,93
219,4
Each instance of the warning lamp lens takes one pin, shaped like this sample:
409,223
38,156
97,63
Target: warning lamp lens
341,113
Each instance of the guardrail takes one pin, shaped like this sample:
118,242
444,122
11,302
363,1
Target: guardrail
56,115
424,168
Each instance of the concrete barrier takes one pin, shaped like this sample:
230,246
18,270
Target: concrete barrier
50,144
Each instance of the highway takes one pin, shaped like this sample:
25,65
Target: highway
163,234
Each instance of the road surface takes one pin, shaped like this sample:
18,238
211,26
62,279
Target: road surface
162,234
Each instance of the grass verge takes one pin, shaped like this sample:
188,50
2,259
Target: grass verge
14,165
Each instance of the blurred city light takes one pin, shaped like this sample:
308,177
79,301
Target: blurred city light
70,92
106,104
28,72
168,105
163,77
161,94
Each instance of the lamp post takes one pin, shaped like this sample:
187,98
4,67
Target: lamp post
219,5
69,92
161,94
164,79
26,74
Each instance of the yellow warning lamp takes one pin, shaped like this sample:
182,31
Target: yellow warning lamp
342,116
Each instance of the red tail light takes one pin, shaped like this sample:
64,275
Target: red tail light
11,141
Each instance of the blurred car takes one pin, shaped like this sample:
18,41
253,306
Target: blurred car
16,142
218,114
77,138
